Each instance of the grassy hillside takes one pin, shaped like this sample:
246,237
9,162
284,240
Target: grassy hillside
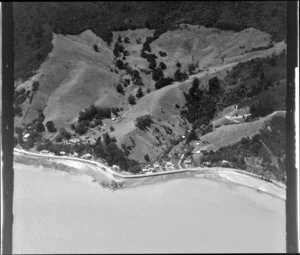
35,22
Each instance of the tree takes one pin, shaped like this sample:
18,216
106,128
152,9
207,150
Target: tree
148,90
111,129
178,65
35,86
39,127
119,38
64,133
51,127
96,48
146,157
120,64
213,85
157,74
131,100
162,66
120,89
143,122
139,93
81,128
126,39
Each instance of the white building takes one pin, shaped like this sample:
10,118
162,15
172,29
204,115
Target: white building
62,153
115,167
25,137
44,151
86,156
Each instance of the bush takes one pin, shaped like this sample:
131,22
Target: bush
143,122
131,100
51,127
111,129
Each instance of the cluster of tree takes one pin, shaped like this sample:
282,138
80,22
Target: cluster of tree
51,127
180,76
94,112
162,54
162,82
199,104
143,122
139,93
21,95
118,49
18,110
107,149
262,105
63,134
247,147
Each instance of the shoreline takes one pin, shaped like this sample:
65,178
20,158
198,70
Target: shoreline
105,175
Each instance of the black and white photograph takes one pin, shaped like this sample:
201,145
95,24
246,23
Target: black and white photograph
148,127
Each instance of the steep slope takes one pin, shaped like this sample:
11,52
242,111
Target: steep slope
73,77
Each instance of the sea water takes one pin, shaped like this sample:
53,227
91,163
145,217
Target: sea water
57,212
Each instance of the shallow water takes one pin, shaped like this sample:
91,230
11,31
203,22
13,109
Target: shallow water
56,212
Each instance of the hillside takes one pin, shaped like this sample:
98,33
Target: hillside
35,22
82,70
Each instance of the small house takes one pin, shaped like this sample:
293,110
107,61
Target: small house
62,153
87,156
25,137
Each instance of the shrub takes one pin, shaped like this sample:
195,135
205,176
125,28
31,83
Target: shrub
143,122
51,127
138,40
131,100
111,128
